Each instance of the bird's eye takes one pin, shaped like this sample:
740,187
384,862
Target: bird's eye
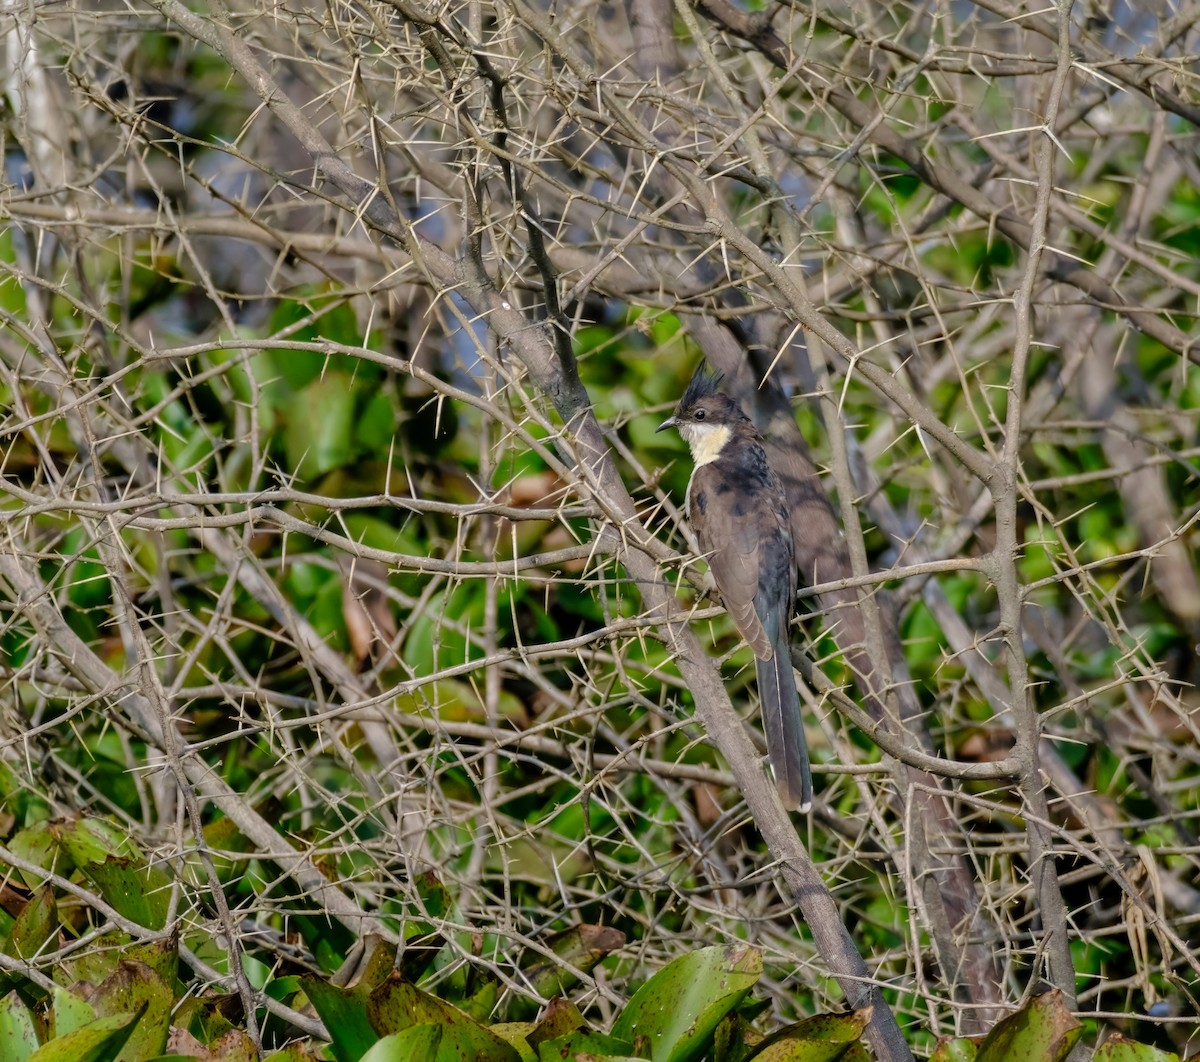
700,414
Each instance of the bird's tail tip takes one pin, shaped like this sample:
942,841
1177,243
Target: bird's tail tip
793,800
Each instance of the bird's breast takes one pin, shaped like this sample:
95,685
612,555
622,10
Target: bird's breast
706,441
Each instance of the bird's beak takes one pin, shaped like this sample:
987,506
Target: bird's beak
670,422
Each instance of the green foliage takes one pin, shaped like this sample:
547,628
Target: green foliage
1118,1049
696,1007
674,1016
18,1033
678,1010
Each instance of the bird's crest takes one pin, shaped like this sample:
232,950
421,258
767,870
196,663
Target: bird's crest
705,382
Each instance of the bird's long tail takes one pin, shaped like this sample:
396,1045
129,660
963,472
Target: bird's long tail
784,726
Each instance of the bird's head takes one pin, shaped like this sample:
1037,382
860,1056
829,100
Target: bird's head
705,416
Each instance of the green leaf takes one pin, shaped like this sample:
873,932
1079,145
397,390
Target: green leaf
1042,1031
37,844
516,1034
101,1041
376,424
957,1049
134,987
70,1012
94,964
234,1046
1118,1049
379,534
330,317
320,426
203,1017
93,841
12,294
18,1036
420,1042
18,800
291,1053
397,1005
481,1004
344,1013
429,643
735,1038
441,1043
35,926
560,1018
821,1038
678,1009
458,702
583,1041
436,900
299,368
162,956
140,892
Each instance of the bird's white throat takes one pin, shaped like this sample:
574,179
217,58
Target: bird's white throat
706,441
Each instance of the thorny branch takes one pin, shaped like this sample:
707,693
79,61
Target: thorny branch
999,312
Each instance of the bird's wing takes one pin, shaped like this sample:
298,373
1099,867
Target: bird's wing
728,532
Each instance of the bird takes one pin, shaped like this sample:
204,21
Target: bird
737,509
